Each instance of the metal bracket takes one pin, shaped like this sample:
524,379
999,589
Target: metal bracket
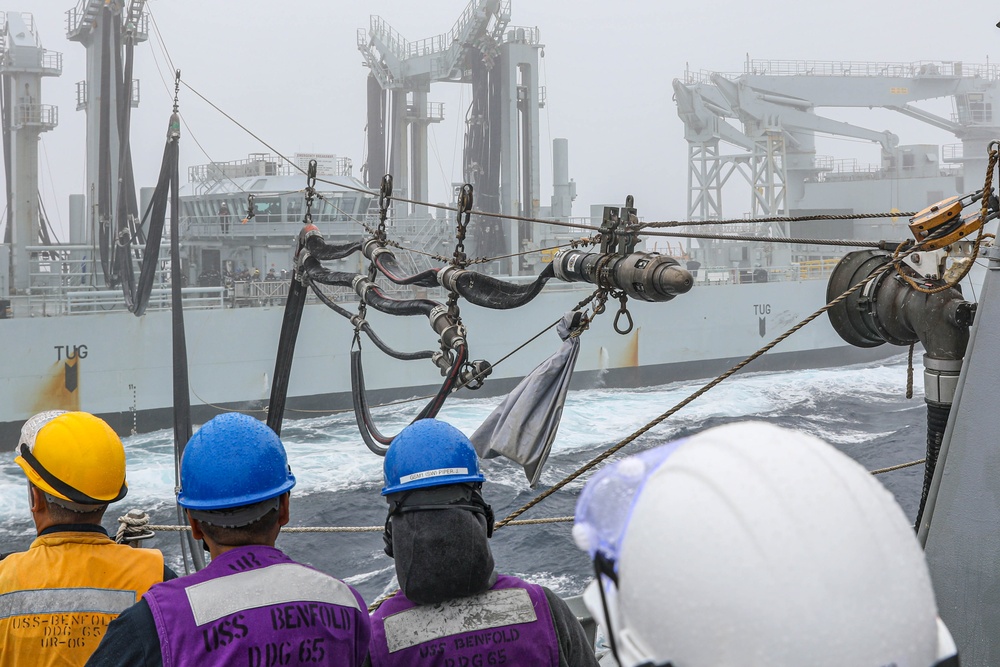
618,235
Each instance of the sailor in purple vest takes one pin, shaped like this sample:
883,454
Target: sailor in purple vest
452,608
252,606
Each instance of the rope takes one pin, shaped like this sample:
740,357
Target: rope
881,245
134,525
475,377
984,212
774,218
897,467
173,528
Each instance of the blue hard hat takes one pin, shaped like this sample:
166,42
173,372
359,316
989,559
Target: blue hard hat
428,453
233,460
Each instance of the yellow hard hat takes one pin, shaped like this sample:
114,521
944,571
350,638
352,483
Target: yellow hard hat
74,456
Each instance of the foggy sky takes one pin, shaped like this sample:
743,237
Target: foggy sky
291,72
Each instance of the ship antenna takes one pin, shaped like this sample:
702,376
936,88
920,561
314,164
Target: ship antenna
177,87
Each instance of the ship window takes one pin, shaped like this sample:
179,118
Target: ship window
294,207
979,109
347,205
268,209
333,208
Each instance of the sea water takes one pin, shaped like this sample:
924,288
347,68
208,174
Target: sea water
862,410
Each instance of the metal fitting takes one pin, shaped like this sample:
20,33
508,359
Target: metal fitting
448,277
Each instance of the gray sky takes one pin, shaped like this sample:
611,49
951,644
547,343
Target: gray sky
291,72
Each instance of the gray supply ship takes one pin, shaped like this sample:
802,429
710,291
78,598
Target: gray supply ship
71,342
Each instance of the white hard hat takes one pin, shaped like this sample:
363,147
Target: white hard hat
749,544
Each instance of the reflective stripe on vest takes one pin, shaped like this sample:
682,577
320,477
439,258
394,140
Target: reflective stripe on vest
492,609
255,606
213,599
510,624
64,601
58,597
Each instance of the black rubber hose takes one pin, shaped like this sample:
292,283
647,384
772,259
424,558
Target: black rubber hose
104,151
121,253
390,268
489,292
181,383
373,297
372,437
5,112
379,343
294,305
320,249
395,354
315,272
382,303
373,440
122,258
157,211
937,421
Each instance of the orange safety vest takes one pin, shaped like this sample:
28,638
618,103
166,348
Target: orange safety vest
58,597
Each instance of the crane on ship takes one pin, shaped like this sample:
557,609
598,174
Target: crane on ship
774,105
109,31
500,155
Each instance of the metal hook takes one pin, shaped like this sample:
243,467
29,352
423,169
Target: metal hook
310,191
385,193
623,310
384,200
465,202
311,174
250,211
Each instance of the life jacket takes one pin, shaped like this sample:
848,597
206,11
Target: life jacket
255,606
58,597
510,624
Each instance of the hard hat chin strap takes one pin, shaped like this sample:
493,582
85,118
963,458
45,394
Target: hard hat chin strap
59,486
604,566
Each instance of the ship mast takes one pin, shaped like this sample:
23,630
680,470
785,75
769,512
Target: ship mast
104,28
24,62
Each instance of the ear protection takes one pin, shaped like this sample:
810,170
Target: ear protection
478,506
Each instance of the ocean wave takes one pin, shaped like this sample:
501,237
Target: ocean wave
326,453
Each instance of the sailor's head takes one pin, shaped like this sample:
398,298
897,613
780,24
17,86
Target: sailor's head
235,480
438,523
753,544
72,459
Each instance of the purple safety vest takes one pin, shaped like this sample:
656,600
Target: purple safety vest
510,624
255,606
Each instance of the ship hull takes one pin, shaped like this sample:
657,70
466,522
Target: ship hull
120,367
